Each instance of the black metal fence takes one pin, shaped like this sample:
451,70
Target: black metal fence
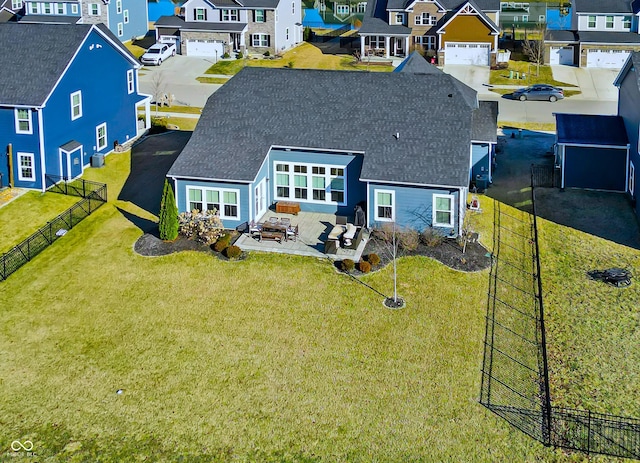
545,176
330,34
515,374
94,195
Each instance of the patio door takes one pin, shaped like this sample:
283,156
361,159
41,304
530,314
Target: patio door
399,46
260,198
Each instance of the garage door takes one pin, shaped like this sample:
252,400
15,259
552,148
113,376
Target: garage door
204,48
561,55
467,53
613,59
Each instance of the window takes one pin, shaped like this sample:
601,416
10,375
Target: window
425,19
225,202
443,210
101,136
375,41
591,22
23,121
608,22
260,40
26,169
94,9
632,178
385,205
118,6
34,8
427,41
46,8
342,9
541,18
16,5
293,7
230,15
74,9
120,30
259,16
626,22
125,16
130,81
61,8
76,105
200,14
312,183
399,18
362,7
287,33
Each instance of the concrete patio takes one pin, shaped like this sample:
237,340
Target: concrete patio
314,228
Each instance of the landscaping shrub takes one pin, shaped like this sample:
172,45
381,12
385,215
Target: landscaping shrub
348,265
222,243
307,34
364,266
168,223
431,237
226,55
204,227
267,53
158,124
409,239
239,55
232,252
373,259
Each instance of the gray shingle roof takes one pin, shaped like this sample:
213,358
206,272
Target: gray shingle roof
603,6
561,36
259,108
591,129
180,23
375,20
485,121
608,37
50,19
633,62
477,7
416,64
484,5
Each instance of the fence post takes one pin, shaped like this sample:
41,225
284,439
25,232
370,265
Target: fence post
589,433
84,194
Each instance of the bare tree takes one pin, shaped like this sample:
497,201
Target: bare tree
158,88
534,48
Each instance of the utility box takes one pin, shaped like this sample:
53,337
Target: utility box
97,160
482,182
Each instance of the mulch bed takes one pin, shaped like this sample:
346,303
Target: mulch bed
150,245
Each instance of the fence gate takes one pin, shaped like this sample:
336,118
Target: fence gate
543,175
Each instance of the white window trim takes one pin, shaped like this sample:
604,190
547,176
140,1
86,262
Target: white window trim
16,4
613,22
74,9
221,192
452,211
33,167
259,38
91,13
264,15
17,121
376,217
61,8
44,7
120,29
125,16
309,174
131,82
632,178
119,6
595,23
200,12
34,8
229,14
79,93
106,142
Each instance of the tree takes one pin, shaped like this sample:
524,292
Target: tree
534,48
168,223
158,88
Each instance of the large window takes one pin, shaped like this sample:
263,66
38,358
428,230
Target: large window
385,205
608,22
23,121
201,14
46,8
94,9
260,40
76,105
130,81
16,5
591,22
375,41
74,9
626,22
225,202
230,15
26,170
342,10
61,8
311,183
425,19
427,41
34,8
101,136
443,210
259,16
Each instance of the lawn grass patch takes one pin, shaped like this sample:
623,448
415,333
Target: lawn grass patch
212,80
26,214
179,109
226,67
273,358
533,126
135,50
501,76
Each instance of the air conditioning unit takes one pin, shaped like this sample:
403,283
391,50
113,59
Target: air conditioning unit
97,160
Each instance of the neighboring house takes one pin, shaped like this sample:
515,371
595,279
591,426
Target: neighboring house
457,31
530,15
10,10
405,157
213,27
606,33
127,19
63,100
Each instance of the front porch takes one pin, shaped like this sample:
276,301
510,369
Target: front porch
384,46
314,229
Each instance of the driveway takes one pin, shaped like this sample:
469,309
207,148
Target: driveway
595,84
177,76
476,77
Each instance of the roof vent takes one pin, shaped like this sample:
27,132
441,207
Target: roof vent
450,95
397,136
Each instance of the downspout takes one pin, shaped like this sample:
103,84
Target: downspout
42,160
368,206
626,167
462,206
11,175
562,182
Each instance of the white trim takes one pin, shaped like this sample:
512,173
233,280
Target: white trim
368,203
67,174
563,165
125,16
220,192
449,187
210,179
119,6
17,121
90,9
315,150
631,179
434,223
588,145
43,169
120,27
131,82
32,157
309,175
376,217
73,116
460,11
106,140
74,8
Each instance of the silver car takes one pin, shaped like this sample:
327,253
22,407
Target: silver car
539,92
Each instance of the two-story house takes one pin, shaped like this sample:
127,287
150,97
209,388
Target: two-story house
456,31
64,100
10,9
213,27
605,33
125,18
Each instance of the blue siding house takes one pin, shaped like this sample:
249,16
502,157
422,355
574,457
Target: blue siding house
64,100
400,145
125,18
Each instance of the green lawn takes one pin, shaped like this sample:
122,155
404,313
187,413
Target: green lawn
179,109
24,215
274,358
136,50
501,76
212,80
304,56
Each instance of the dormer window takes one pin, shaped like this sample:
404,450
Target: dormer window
399,18
626,22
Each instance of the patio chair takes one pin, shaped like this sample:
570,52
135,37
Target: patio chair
254,228
292,233
273,220
285,221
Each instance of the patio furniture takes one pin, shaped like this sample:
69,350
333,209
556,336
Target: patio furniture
287,207
349,234
292,233
273,220
254,228
273,231
331,247
285,221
